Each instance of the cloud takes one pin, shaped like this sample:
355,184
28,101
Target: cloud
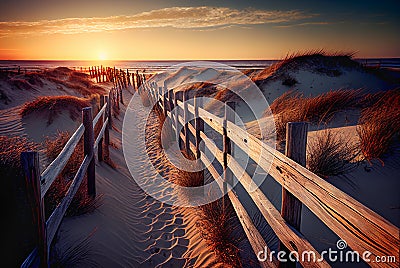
176,17
306,24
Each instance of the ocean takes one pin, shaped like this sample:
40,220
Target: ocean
159,66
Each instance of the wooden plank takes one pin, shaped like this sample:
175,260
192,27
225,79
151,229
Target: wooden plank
109,108
229,116
199,124
291,238
186,121
88,143
362,228
296,144
50,174
176,121
32,260
54,221
107,132
286,233
30,165
100,136
99,114
213,121
99,149
256,240
164,102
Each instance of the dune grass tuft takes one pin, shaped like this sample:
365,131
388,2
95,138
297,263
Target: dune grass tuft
81,203
52,106
76,255
328,155
220,227
315,57
318,61
379,126
294,107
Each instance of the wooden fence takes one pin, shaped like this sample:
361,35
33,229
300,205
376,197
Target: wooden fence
362,228
120,78
38,184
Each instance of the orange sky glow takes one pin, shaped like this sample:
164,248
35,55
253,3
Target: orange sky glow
178,33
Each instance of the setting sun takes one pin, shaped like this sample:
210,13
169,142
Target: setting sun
102,56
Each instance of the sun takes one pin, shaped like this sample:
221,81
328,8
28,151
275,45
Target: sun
102,56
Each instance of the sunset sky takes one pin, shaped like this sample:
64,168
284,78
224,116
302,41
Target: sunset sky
188,29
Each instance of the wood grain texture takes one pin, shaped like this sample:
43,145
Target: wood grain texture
99,115
30,165
53,170
88,148
296,145
54,221
362,228
256,241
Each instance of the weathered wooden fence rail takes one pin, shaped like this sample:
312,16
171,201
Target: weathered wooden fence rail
120,78
38,184
362,228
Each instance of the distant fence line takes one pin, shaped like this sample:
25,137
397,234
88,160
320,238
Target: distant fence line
37,184
362,228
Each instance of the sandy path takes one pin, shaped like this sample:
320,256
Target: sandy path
131,229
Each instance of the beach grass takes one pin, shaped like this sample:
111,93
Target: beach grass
292,106
329,154
379,126
82,203
52,106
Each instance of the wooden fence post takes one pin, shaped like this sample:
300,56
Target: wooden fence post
109,109
177,124
116,98
164,101
186,121
88,144
30,164
101,122
107,131
227,146
199,123
296,144
170,101
121,98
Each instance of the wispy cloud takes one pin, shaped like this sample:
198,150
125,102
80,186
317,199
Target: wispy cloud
305,24
176,17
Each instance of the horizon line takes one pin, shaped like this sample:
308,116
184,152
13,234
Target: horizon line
169,60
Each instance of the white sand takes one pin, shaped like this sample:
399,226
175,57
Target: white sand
132,228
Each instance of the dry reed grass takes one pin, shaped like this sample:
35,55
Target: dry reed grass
81,203
52,106
379,126
294,107
319,61
328,155
79,254
220,227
